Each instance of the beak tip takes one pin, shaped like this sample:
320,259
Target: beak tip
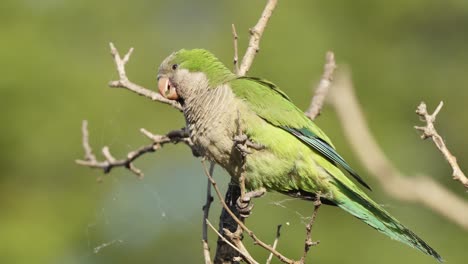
162,85
166,89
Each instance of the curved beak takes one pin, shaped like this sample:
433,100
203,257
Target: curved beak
166,89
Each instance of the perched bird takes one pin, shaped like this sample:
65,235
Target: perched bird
296,158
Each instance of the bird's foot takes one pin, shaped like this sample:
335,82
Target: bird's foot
243,204
244,144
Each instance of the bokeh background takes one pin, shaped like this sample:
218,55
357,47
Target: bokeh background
55,65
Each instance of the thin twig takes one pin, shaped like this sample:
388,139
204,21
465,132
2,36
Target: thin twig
87,148
403,187
124,82
255,35
429,131
275,243
321,91
236,239
206,252
206,213
236,53
241,224
247,257
110,162
308,241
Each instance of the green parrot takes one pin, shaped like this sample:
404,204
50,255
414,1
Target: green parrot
297,158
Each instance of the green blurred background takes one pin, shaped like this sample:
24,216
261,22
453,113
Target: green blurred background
55,65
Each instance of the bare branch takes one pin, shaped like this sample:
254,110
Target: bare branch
110,162
236,52
255,35
224,253
323,86
236,239
206,252
206,213
275,243
246,256
420,189
429,131
308,241
87,148
241,224
124,82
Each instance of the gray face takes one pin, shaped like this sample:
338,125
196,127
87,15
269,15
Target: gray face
166,75
176,83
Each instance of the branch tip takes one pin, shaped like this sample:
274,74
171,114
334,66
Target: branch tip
429,131
321,91
255,35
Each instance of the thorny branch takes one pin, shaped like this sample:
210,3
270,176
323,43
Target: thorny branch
429,131
110,162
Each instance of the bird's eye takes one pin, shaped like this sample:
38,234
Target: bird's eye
174,66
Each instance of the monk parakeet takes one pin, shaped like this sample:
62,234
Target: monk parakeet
297,158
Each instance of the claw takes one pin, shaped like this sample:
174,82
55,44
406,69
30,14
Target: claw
255,194
243,144
240,139
243,204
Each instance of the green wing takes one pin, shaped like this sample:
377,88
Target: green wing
275,107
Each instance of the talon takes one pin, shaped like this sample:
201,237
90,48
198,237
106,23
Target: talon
243,149
243,144
244,215
254,145
240,139
246,199
244,205
246,212
255,194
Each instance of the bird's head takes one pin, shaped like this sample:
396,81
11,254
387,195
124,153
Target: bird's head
187,72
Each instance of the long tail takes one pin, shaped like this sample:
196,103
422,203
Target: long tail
372,214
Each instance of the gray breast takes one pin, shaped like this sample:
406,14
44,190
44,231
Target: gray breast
211,119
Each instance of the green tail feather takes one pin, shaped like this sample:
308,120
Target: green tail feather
375,216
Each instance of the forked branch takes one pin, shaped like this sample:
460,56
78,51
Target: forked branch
255,35
429,131
124,82
308,241
110,162
403,187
